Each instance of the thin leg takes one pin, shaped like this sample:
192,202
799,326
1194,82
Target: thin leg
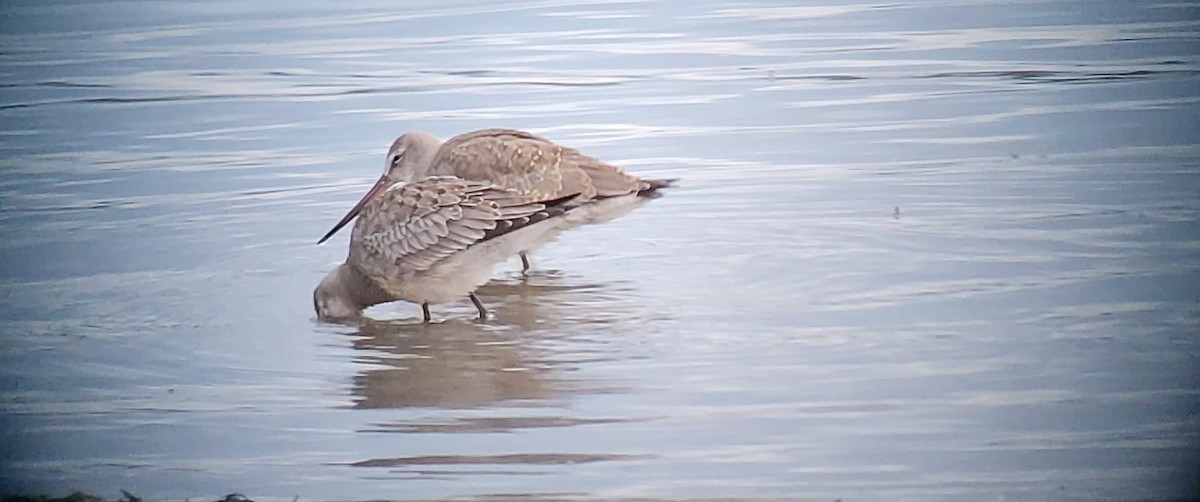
479,305
425,310
524,263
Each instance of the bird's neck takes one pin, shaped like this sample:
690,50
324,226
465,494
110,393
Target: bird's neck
364,292
351,292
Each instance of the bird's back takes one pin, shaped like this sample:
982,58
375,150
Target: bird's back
534,166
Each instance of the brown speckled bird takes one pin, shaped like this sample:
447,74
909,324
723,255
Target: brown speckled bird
432,241
536,168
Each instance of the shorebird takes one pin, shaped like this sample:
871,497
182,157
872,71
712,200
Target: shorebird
535,167
432,241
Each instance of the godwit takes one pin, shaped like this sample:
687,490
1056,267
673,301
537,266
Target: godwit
432,241
534,167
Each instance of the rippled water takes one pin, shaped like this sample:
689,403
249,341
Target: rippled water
946,250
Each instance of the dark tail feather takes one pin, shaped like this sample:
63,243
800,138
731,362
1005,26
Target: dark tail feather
559,201
651,191
554,207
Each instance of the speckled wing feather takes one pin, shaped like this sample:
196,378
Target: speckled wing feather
536,167
410,227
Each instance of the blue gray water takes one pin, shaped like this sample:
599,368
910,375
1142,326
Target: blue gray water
946,250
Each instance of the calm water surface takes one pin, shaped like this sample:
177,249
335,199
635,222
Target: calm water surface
945,250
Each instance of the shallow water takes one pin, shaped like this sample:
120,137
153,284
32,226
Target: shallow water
946,250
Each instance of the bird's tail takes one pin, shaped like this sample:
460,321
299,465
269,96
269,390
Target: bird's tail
650,188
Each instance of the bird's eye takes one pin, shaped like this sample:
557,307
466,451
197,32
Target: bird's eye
396,159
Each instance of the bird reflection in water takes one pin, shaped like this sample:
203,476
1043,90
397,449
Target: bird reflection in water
467,364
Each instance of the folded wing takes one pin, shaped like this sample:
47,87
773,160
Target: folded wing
412,226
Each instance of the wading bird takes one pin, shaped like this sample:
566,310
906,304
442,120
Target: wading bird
534,167
432,241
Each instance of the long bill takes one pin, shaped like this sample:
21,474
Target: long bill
375,190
